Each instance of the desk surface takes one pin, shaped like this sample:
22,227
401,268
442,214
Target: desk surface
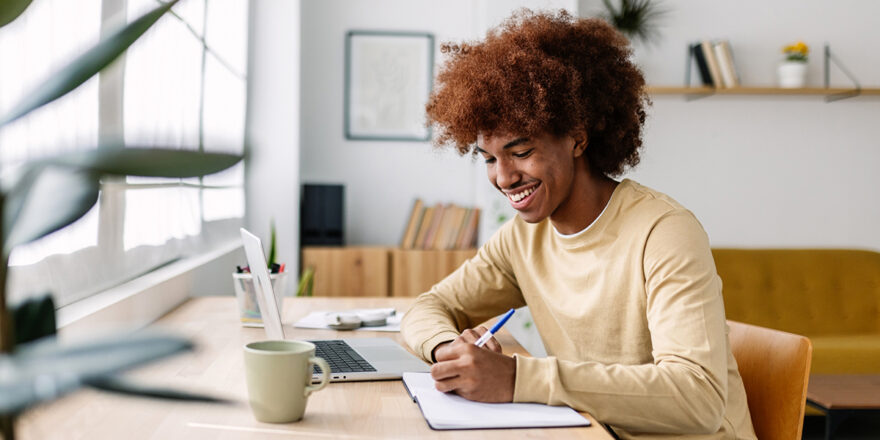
355,410
845,391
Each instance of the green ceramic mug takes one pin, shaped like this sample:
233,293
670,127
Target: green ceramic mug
279,377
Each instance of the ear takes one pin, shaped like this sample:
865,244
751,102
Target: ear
580,142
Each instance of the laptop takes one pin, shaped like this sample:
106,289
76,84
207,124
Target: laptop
354,359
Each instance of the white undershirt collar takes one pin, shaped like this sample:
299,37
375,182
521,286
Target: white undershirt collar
582,231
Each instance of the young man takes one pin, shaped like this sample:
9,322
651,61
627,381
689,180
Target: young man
619,278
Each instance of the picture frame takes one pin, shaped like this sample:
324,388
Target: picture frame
388,78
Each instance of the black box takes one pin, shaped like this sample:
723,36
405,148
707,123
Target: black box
321,215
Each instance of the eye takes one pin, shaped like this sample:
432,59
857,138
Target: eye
489,159
524,153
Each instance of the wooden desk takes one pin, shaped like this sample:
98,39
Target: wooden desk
359,410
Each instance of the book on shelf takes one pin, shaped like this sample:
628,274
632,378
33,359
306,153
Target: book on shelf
415,218
439,238
725,62
441,227
712,63
434,227
702,67
469,240
424,225
455,227
458,243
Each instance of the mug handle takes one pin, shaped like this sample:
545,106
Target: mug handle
325,375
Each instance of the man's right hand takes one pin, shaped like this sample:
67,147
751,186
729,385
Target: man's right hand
469,336
482,374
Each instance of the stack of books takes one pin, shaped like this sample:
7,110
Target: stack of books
442,226
715,64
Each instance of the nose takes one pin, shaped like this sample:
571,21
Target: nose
506,174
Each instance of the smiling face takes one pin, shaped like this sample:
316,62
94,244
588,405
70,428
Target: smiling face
538,174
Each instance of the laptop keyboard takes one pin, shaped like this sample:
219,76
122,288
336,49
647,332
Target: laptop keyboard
341,357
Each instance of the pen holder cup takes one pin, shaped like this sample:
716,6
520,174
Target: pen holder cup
248,307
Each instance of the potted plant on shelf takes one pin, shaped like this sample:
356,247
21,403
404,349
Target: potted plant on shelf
792,72
46,195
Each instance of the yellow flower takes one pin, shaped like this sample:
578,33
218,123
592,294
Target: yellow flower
796,52
800,48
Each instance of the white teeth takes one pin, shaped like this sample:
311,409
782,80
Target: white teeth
519,196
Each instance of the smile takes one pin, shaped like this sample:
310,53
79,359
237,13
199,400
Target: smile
516,198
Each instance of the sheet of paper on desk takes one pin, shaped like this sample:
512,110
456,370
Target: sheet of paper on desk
449,411
317,320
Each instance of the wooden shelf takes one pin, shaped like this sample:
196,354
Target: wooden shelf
816,91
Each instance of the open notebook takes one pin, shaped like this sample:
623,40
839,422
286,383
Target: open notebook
450,411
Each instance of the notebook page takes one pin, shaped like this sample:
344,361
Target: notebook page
450,411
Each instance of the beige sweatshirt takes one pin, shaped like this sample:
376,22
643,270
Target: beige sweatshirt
630,312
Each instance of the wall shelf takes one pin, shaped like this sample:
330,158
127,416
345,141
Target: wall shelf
829,93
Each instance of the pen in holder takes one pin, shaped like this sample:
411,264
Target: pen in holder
248,308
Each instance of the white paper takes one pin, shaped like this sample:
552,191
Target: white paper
450,411
318,320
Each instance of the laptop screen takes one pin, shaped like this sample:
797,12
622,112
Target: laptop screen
253,249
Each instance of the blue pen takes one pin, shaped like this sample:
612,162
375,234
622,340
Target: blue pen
488,335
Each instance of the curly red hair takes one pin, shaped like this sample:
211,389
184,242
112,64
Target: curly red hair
544,73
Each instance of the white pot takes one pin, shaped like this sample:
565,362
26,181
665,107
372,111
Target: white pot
248,306
792,74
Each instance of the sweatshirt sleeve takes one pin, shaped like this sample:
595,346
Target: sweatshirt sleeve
480,289
684,389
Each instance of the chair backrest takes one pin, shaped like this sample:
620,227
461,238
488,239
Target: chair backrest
775,368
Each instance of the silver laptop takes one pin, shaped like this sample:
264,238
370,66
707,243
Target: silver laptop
351,359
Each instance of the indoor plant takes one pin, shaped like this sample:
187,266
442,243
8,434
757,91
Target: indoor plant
792,72
637,19
50,193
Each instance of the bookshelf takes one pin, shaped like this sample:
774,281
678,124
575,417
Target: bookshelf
816,91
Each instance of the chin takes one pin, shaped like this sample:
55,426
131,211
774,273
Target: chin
531,217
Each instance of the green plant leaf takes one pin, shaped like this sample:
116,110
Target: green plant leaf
32,319
305,282
272,249
155,162
45,200
637,19
11,9
47,369
86,65
126,387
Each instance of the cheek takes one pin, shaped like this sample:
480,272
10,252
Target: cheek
490,173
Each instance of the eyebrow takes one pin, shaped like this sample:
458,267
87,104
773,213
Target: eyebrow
510,144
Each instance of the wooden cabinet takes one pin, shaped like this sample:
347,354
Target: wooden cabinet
348,271
379,271
414,271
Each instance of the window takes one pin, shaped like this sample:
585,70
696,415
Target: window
181,85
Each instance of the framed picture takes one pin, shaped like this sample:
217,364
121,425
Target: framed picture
388,77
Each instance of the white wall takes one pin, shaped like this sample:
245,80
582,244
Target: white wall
768,170
272,175
757,171
383,178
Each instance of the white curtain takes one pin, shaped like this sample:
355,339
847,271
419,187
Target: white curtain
182,85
